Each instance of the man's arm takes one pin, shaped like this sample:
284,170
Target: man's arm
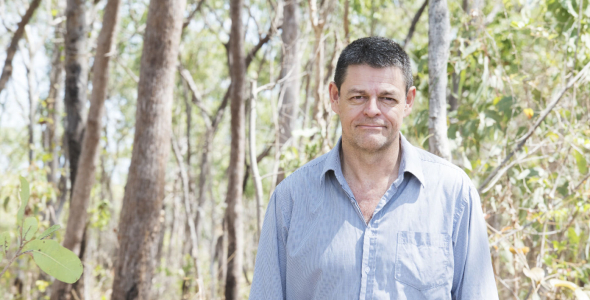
269,271
473,275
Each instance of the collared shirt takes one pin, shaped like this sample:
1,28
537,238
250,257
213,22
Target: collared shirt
427,238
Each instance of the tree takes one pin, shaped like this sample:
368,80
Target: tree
290,73
438,55
83,185
144,192
237,154
18,34
319,21
76,66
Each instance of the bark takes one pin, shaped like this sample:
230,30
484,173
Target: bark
144,192
50,138
11,51
346,22
80,198
233,279
32,101
438,55
290,73
76,65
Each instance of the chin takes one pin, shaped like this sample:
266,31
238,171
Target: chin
372,144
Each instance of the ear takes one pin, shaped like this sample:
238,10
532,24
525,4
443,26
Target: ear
334,97
410,97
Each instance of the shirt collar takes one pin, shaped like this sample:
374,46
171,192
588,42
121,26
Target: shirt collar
410,161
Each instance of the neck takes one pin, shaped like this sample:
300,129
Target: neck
371,167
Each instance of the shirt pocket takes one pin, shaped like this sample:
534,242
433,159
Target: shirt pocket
422,259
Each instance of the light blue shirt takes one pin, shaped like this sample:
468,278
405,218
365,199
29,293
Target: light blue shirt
427,238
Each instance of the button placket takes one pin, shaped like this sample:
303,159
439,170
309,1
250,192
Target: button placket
365,268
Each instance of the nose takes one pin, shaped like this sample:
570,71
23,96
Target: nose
371,108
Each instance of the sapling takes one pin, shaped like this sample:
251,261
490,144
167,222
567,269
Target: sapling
49,255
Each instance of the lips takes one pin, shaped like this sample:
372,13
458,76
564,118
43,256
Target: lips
371,126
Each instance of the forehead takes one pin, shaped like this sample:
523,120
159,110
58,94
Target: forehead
367,77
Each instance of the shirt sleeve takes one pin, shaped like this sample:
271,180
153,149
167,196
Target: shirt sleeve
473,274
269,271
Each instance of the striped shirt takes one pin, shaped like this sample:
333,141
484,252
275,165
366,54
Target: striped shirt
427,238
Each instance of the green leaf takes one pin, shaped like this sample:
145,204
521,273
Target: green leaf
581,162
48,231
4,244
24,199
56,260
30,228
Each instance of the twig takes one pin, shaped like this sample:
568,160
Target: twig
414,22
127,70
188,78
192,14
253,161
521,141
582,182
506,285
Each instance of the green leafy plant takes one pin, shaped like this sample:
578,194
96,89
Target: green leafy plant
49,255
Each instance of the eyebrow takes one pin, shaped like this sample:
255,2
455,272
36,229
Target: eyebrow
363,92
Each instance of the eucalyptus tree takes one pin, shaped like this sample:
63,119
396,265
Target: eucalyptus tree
144,192
237,158
76,66
80,200
289,103
438,55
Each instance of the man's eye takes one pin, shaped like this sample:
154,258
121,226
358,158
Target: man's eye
358,97
388,99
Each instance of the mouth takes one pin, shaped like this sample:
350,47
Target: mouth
371,126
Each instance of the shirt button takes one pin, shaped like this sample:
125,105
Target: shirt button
367,270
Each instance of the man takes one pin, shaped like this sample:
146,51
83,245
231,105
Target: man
375,218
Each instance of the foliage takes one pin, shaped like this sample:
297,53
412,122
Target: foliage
49,255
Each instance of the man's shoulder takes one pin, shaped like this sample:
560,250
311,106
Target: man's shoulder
430,160
441,170
305,175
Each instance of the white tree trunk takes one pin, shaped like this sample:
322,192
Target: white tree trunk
438,55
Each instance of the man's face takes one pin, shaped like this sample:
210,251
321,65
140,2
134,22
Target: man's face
372,104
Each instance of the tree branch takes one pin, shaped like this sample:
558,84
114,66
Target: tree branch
414,22
521,141
192,14
7,69
196,99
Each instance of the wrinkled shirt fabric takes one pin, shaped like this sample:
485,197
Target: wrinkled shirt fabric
427,238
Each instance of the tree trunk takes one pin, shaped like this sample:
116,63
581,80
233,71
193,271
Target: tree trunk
18,34
32,101
83,185
438,54
50,137
144,192
237,155
290,69
76,66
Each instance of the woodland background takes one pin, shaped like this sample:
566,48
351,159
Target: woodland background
154,133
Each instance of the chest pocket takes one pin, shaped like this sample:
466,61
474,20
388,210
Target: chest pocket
423,260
